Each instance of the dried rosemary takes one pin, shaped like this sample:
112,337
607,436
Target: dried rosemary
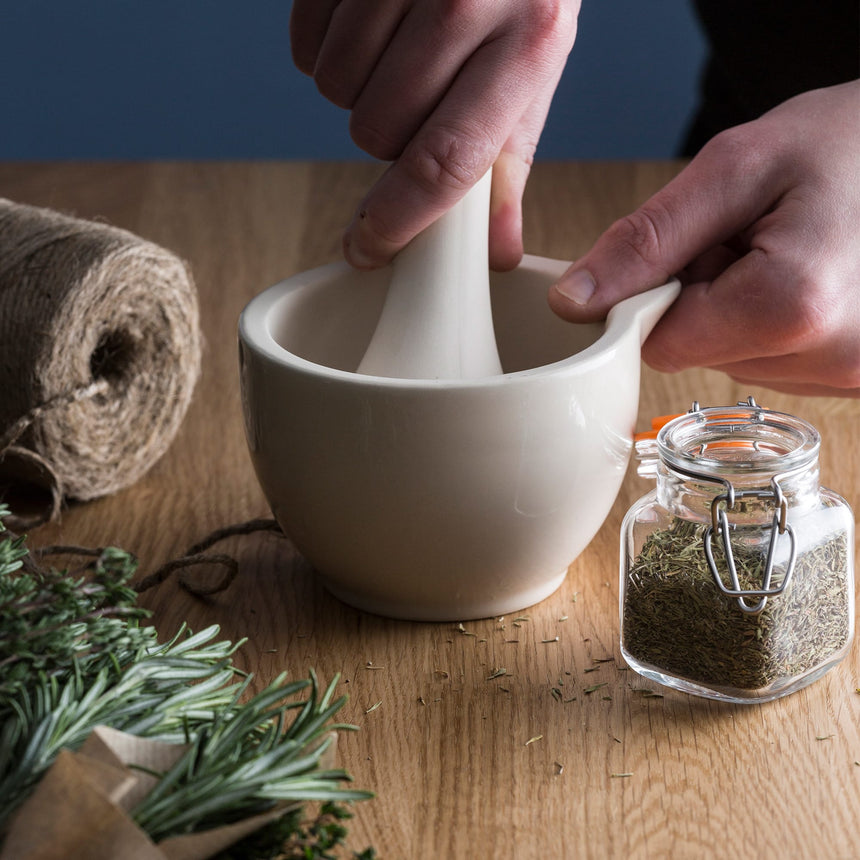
676,620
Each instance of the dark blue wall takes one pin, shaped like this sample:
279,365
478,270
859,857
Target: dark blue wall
207,79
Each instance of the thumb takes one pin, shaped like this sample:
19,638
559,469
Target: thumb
720,193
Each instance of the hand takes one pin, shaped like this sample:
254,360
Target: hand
762,227
444,90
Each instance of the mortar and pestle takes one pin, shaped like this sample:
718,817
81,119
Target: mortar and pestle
433,439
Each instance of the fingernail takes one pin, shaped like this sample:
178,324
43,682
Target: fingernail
577,285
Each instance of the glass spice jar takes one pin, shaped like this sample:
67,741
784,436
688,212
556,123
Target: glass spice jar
737,570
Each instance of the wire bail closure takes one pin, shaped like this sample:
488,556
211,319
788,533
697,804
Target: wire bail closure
720,527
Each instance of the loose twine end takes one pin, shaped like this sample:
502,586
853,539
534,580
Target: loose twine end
194,556
28,467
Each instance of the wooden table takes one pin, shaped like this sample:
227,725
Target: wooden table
464,766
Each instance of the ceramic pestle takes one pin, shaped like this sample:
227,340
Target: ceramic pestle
437,322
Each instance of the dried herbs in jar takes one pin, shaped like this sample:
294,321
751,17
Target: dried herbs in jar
737,575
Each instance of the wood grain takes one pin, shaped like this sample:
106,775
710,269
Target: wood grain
466,762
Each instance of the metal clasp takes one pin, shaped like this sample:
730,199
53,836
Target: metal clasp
720,526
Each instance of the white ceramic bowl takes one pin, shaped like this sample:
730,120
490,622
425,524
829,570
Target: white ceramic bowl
440,500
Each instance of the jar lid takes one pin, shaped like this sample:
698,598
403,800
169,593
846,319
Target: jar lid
743,440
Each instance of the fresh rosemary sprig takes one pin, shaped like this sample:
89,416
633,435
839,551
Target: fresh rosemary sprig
245,761
73,656
166,692
50,622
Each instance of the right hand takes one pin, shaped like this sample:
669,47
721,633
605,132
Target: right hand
445,90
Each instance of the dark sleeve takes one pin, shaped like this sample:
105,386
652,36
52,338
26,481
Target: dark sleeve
762,52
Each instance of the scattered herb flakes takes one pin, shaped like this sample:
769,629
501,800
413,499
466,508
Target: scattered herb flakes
512,641
823,737
563,618
497,673
559,768
369,665
603,660
422,701
571,699
373,707
575,596
522,618
591,669
532,740
625,775
505,689
463,631
548,641
589,690
556,694
441,673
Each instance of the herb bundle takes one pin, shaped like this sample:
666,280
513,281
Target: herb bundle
74,655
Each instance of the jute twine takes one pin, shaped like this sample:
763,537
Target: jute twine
99,357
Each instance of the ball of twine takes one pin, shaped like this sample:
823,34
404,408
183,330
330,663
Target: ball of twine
99,357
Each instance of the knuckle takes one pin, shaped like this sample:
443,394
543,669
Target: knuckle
642,233
740,148
806,316
447,158
553,22
460,16
304,61
333,86
793,317
369,135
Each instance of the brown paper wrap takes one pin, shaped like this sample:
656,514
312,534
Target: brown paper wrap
80,808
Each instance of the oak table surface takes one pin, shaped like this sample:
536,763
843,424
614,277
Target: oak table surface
463,765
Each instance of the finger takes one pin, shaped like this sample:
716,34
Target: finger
772,311
748,312
414,73
709,266
455,147
309,20
788,386
510,174
722,191
353,45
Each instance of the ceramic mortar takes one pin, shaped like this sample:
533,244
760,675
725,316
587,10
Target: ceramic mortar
440,500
